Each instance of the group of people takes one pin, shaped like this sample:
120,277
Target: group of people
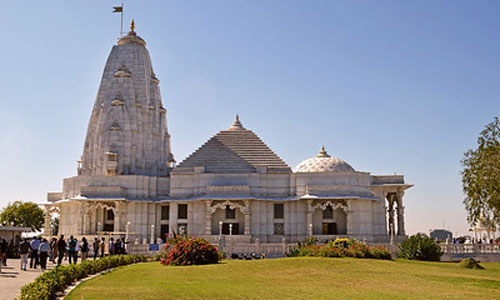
115,247
39,250
464,240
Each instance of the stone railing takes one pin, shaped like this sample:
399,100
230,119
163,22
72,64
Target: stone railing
455,248
275,249
452,252
470,248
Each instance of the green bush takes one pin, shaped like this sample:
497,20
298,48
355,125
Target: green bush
340,248
470,263
420,247
295,251
48,285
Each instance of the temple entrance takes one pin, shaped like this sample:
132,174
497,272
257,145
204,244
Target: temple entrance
224,214
109,220
164,229
235,230
329,218
329,228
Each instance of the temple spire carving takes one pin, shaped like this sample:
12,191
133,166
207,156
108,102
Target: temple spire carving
128,119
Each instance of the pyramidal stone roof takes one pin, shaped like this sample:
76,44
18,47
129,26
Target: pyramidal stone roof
236,150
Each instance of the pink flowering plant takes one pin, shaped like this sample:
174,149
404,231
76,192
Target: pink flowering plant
185,250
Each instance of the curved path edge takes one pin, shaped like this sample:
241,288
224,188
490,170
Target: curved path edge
78,282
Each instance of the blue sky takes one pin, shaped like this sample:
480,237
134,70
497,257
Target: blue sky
388,86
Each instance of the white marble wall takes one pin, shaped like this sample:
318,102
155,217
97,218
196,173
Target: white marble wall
367,216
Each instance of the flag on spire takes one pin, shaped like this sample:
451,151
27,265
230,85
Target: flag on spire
119,9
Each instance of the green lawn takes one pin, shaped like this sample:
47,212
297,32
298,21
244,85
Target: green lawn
296,278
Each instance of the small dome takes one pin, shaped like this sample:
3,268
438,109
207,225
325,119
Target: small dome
323,163
131,37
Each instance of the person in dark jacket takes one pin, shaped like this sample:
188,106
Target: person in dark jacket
1,255
24,250
84,249
96,247
72,253
61,249
117,247
3,249
102,246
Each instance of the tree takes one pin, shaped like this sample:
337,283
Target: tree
481,178
25,214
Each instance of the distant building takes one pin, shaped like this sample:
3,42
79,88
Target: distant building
441,234
12,233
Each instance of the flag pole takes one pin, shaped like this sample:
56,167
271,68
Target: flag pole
121,28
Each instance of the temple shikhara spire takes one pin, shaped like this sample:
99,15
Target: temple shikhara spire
127,132
129,185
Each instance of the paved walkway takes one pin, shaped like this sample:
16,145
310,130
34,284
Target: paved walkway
13,278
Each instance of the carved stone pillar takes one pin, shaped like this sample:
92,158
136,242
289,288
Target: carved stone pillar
349,223
248,221
46,224
390,211
117,212
80,225
247,224
86,222
208,218
401,213
309,218
94,219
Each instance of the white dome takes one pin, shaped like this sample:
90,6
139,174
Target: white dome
323,163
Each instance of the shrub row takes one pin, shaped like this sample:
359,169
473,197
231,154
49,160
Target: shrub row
184,250
340,248
51,283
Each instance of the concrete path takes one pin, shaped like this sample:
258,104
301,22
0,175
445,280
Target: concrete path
13,278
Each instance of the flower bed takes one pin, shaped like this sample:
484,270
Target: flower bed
339,248
51,283
184,250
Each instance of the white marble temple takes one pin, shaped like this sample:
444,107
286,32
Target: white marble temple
128,182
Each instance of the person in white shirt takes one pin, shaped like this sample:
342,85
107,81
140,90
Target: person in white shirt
35,244
44,254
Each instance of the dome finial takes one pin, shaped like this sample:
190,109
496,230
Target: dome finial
323,152
132,25
237,124
131,36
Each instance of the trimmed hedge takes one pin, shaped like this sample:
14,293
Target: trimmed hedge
340,248
51,283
